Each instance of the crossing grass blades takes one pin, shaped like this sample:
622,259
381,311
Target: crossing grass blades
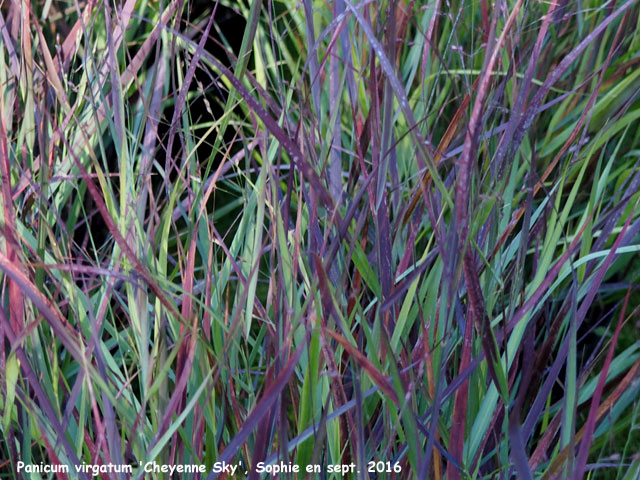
390,239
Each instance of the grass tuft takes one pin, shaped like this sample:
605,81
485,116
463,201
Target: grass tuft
400,237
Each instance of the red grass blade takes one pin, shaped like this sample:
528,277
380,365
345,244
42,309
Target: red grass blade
590,425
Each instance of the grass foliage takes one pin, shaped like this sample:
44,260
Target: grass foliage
391,230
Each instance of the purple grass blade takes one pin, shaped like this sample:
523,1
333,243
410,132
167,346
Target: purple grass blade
538,404
297,157
557,73
523,93
43,400
312,59
587,438
182,96
268,399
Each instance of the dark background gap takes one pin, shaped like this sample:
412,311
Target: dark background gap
231,25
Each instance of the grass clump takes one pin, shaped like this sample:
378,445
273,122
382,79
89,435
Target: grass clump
399,236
